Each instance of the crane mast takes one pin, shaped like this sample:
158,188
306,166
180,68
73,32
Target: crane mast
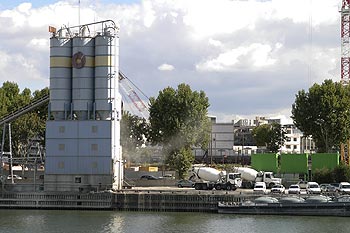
345,42
345,64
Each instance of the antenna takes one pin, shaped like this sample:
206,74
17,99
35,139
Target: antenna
79,12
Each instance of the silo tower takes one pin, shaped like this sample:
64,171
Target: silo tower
83,150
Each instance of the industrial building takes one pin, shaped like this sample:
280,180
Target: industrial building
83,150
233,141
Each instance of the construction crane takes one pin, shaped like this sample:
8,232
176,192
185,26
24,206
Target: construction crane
345,42
345,64
138,103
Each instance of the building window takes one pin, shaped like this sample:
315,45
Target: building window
288,146
295,139
94,128
94,147
94,165
61,165
61,129
295,147
77,179
61,147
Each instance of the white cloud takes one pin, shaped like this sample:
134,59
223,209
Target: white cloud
149,16
39,44
166,67
215,43
255,55
212,17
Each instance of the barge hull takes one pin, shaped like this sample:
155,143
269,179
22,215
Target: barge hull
302,209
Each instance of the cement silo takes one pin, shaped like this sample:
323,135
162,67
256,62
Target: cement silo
83,150
83,53
105,68
60,75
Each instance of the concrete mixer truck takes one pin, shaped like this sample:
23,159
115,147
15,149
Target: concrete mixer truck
250,176
207,178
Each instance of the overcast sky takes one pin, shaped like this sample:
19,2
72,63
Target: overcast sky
251,57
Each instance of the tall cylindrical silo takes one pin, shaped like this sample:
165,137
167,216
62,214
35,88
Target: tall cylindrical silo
83,76
60,76
105,75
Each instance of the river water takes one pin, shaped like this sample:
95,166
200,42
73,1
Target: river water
57,221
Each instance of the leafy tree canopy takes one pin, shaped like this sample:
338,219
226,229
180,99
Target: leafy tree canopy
271,136
323,113
27,126
179,121
134,131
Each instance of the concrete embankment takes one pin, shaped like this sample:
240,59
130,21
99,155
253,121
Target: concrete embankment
128,200
189,201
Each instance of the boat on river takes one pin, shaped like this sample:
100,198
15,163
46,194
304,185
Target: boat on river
311,206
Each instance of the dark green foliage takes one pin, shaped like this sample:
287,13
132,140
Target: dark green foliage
339,174
323,114
133,130
272,136
27,126
181,161
179,121
133,134
323,175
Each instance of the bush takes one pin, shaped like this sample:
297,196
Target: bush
341,173
338,174
323,175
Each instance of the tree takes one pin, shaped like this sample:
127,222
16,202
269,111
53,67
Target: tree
181,161
341,173
272,136
323,113
27,126
323,175
133,133
179,121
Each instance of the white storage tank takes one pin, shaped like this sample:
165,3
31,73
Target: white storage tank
60,76
83,77
106,73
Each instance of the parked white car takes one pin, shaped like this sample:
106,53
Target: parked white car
313,188
260,188
344,187
294,189
278,188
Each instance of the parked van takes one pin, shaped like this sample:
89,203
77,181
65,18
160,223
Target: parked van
344,187
313,188
260,188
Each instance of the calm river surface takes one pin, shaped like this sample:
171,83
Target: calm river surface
46,221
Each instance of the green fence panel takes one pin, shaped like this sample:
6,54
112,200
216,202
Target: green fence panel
265,162
294,163
324,160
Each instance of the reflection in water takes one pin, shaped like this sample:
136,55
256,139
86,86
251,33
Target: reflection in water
47,221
